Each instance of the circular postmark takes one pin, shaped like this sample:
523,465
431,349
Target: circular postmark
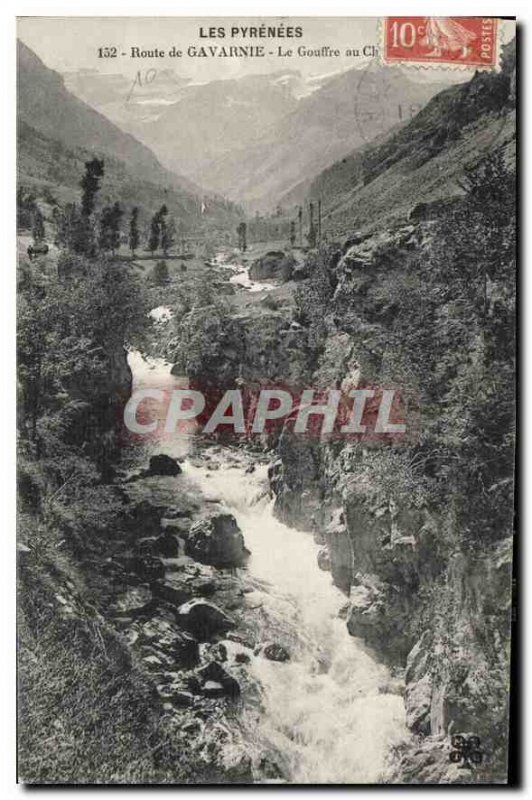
378,107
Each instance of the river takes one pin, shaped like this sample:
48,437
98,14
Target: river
328,711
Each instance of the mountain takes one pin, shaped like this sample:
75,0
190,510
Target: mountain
58,132
190,124
254,138
219,117
344,113
422,161
124,101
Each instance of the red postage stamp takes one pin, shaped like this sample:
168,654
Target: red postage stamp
459,41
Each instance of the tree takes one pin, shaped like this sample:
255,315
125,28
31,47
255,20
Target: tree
115,220
105,236
158,230
134,237
37,230
160,274
155,233
168,235
25,207
163,213
311,235
292,233
90,184
76,229
73,230
242,236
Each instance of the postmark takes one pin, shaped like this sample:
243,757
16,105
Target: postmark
377,108
451,41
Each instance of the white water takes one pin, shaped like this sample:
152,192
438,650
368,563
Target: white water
326,711
240,276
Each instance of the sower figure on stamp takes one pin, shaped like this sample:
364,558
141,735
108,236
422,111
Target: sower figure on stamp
445,34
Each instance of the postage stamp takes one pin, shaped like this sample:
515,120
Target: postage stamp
457,41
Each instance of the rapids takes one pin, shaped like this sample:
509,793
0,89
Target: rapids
328,712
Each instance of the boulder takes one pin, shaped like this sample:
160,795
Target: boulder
213,689
212,676
148,568
145,546
173,694
203,587
204,619
172,589
239,639
162,636
418,701
301,271
275,265
162,464
218,652
217,541
152,662
275,652
324,560
133,601
166,545
144,516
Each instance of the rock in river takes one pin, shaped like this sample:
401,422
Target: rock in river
275,652
216,681
164,465
275,264
204,620
217,541
324,559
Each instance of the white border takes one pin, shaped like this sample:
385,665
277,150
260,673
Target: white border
207,8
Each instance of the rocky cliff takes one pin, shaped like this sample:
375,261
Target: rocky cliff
418,534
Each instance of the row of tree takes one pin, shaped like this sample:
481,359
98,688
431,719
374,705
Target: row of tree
275,226
84,232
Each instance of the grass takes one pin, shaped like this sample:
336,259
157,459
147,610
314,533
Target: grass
87,714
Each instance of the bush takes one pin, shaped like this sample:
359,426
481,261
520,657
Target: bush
160,275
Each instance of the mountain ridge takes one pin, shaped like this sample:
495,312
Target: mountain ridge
256,137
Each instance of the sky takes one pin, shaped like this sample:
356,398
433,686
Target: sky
67,43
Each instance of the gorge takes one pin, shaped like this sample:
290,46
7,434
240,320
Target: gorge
282,608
